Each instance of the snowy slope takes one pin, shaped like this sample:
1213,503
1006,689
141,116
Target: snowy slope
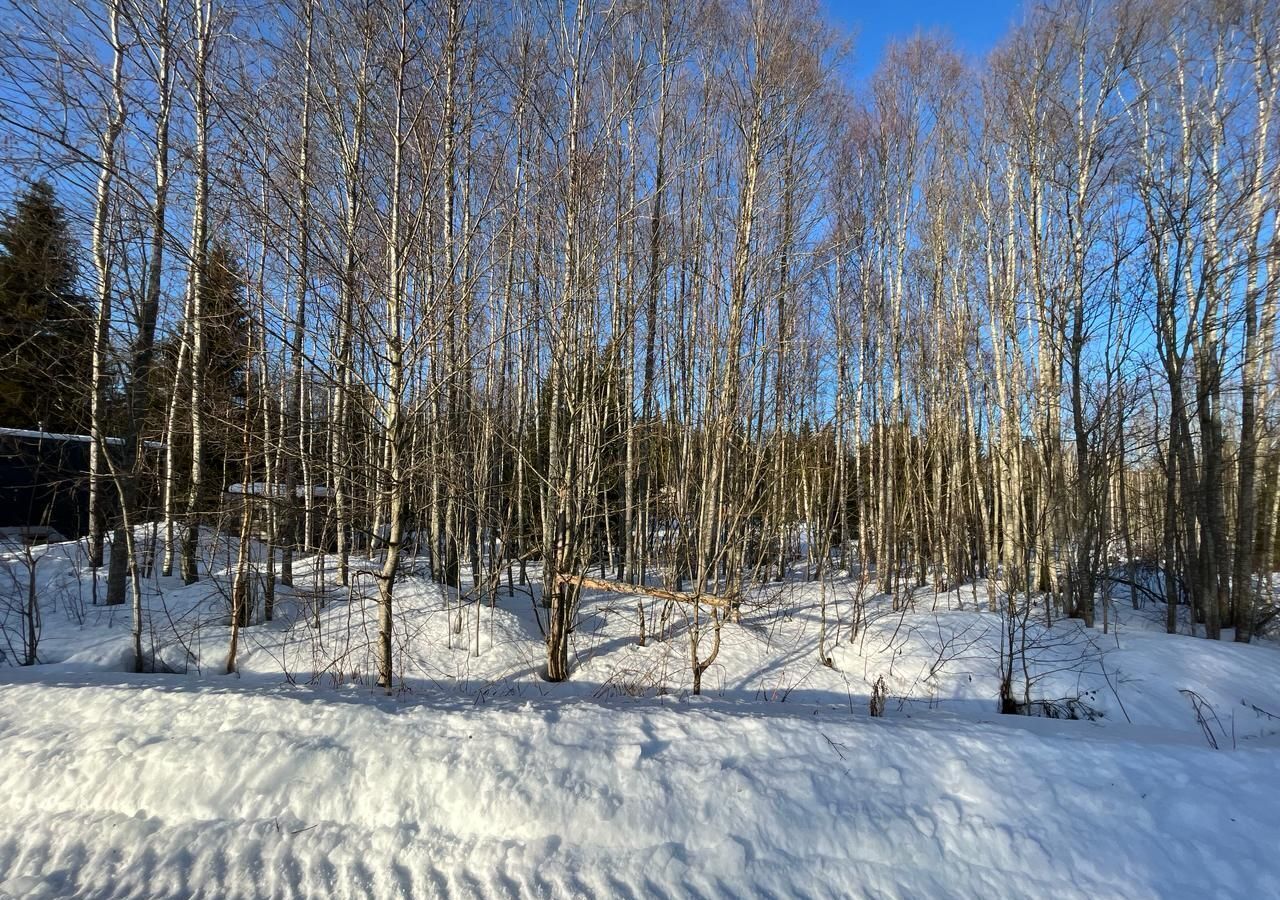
295,778
128,789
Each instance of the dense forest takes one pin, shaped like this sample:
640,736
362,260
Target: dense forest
653,293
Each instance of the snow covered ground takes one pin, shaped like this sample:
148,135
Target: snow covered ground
296,778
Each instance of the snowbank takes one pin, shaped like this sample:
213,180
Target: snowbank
296,778
133,788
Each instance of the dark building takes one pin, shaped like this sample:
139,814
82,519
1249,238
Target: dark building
44,482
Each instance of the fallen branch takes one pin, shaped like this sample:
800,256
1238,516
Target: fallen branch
621,587
1141,588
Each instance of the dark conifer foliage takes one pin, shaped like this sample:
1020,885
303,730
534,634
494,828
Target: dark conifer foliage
45,322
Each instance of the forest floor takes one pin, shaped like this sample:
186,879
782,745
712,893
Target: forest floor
298,778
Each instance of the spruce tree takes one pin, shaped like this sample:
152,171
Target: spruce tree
226,321
46,326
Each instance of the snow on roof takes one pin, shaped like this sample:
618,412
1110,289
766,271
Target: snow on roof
260,488
51,436
30,434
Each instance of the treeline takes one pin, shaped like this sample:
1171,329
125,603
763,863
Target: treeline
654,288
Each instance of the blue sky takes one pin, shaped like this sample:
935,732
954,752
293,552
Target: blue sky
976,25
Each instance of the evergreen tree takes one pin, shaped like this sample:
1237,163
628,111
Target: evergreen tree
46,326
226,328
226,335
